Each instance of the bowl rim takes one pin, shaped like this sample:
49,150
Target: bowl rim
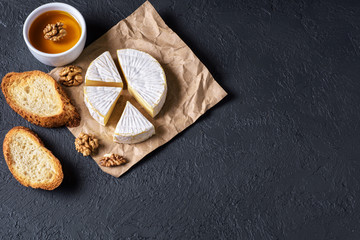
62,7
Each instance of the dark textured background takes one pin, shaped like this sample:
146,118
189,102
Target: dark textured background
276,159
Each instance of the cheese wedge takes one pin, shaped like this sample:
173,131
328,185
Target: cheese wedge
103,72
145,78
133,127
101,101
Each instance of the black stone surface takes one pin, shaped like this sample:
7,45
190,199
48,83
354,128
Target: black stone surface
277,159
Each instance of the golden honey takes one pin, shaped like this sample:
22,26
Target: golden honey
36,35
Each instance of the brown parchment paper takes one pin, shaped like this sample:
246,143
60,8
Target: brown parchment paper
191,88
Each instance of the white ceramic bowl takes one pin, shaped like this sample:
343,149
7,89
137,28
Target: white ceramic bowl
56,59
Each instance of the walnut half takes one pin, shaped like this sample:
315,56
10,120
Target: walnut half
112,160
54,32
71,76
86,144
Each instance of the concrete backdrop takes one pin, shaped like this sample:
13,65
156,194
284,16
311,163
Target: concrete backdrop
277,159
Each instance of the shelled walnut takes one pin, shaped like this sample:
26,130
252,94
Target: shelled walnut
71,76
112,160
54,32
86,144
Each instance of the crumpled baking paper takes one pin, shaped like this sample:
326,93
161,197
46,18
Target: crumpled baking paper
191,88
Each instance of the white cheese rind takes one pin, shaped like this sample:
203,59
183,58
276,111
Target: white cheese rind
103,69
100,101
145,76
133,127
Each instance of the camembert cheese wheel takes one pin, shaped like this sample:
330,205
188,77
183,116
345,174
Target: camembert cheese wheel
133,127
145,79
103,72
101,101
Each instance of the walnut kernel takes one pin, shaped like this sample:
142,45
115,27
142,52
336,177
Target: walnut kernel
111,160
71,76
86,144
54,32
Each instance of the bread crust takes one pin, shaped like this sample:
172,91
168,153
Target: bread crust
69,116
58,176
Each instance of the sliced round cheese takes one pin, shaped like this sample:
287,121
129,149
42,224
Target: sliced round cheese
145,78
101,101
103,72
133,127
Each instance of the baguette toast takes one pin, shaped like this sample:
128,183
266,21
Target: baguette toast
29,161
38,98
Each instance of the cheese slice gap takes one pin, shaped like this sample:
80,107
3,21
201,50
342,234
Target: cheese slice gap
101,101
103,72
133,127
145,78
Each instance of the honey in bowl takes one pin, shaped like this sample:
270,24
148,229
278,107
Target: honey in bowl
36,34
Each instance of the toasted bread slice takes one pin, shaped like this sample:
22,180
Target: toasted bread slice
29,161
38,98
